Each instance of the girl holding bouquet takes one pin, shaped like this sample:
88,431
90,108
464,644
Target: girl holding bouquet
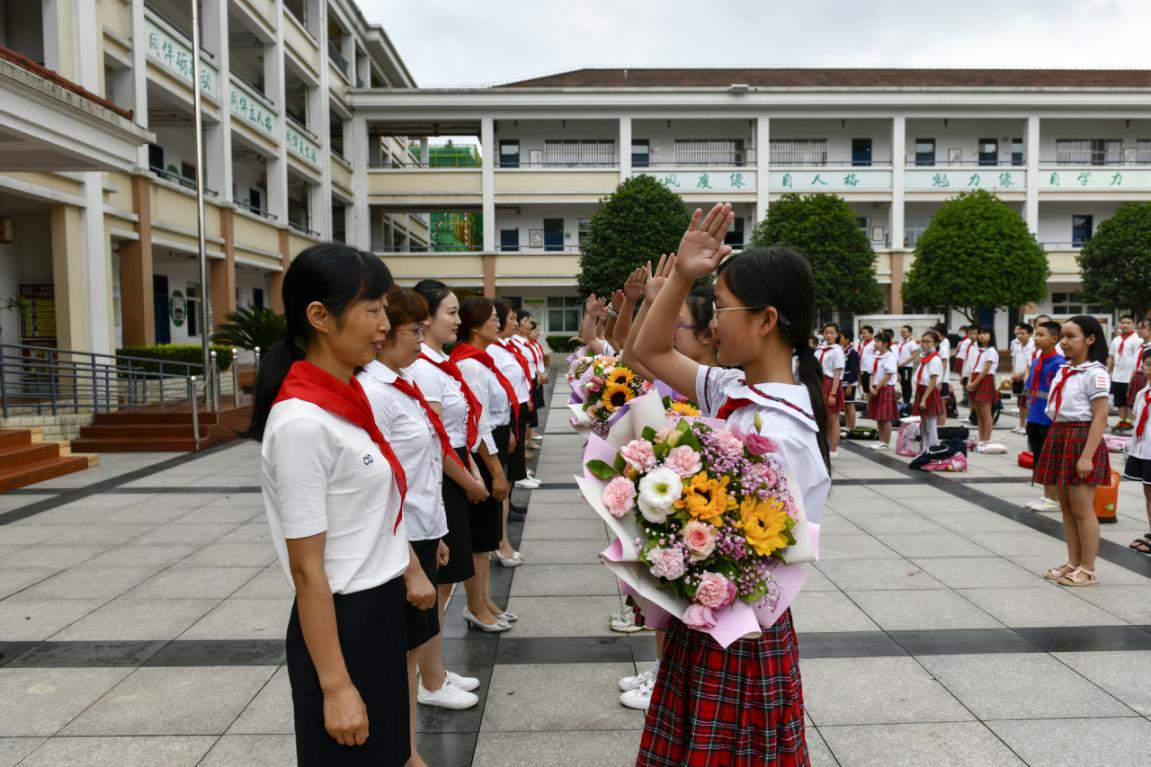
743,705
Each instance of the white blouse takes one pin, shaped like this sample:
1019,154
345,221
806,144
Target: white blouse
1141,446
1125,354
831,359
980,358
437,386
507,363
492,398
922,376
1089,382
886,363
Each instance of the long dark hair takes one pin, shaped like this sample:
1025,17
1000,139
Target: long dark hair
434,292
782,278
990,331
701,302
474,312
1100,350
503,309
335,275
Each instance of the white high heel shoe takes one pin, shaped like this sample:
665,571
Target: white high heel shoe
474,622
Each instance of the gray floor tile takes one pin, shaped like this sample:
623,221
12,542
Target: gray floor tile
36,619
565,529
922,610
608,748
875,691
563,580
1076,742
554,511
270,713
134,619
1123,674
14,582
232,555
211,514
853,547
927,545
39,701
907,522
1044,605
252,751
85,583
102,533
170,751
160,701
1025,543
269,582
979,573
191,534
52,555
194,583
977,523
1131,603
563,616
817,751
239,618
877,574
817,611
574,552
1027,686
26,534
946,744
523,698
152,555
12,750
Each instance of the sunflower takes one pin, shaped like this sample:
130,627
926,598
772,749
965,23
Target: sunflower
706,499
684,409
621,375
764,524
615,396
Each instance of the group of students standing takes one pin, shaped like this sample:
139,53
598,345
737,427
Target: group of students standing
387,468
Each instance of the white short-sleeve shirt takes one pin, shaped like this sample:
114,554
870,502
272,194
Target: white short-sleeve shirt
887,363
1021,356
907,350
925,370
531,354
1125,353
323,474
437,386
980,358
830,358
867,356
965,351
406,427
944,350
492,397
507,363
1141,446
1088,382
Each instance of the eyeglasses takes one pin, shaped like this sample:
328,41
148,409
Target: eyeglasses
686,326
417,331
716,310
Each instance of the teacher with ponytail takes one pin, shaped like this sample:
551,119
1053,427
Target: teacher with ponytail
334,492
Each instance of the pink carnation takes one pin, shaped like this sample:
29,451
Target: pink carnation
715,591
729,443
683,461
699,617
666,563
619,496
699,539
760,445
639,455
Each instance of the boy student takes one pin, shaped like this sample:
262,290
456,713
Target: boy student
1121,365
943,348
1042,370
866,348
965,354
1022,354
906,353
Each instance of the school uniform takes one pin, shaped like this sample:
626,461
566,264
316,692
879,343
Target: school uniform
1125,350
882,406
944,351
964,359
1039,378
1138,465
930,365
1137,379
850,374
866,360
742,705
516,369
1073,390
830,358
905,356
326,469
1021,357
433,374
986,359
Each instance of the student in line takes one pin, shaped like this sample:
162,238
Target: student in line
866,348
1138,381
965,352
943,348
906,354
1074,457
882,404
334,493
1121,364
831,362
515,368
928,400
1023,353
850,380
1043,369
981,388
1138,466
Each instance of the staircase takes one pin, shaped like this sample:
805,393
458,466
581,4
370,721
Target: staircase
161,429
25,458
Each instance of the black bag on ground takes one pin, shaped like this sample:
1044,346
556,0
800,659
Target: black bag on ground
996,409
940,452
954,432
863,432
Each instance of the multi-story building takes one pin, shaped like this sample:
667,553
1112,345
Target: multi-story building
1064,148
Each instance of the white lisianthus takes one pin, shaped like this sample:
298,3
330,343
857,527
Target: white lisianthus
658,490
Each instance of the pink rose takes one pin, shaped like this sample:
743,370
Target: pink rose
699,617
666,563
683,461
699,539
759,445
715,591
619,496
639,455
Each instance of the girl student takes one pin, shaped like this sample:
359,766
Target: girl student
1138,466
449,395
480,330
1138,380
334,493
511,362
928,403
419,440
1074,457
981,388
534,353
706,695
850,377
882,404
831,361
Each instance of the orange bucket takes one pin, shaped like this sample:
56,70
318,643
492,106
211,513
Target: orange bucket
1107,499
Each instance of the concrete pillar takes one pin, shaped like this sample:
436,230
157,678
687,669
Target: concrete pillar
69,277
137,317
898,162
223,271
277,166
276,281
140,77
897,282
762,167
425,152
356,145
1031,158
218,136
624,148
488,181
489,275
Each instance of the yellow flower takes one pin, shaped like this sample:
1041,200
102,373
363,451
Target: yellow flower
706,499
615,396
764,524
684,409
621,375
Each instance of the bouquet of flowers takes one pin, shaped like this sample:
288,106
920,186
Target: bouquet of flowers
578,363
606,387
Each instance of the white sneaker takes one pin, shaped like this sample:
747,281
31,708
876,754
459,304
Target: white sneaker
1019,430
640,697
629,683
528,484
833,454
465,683
448,696
1043,504
623,622
880,446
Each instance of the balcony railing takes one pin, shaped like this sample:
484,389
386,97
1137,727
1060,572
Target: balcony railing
302,229
181,180
555,165
338,59
534,249
255,211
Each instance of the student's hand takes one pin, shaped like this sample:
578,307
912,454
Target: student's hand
500,487
617,301
633,288
1084,466
702,248
971,387
545,379
873,391
923,405
477,491
831,399
345,715
420,592
657,279
443,554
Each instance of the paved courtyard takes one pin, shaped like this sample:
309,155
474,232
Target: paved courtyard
142,615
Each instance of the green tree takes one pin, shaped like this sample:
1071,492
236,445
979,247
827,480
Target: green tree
1116,262
248,328
638,222
824,228
976,253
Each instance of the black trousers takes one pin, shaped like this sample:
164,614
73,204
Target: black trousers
1036,437
905,384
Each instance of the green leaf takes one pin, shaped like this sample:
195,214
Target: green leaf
619,463
648,434
601,470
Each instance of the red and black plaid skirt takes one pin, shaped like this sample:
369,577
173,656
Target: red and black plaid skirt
739,707
838,406
986,391
1061,452
934,403
1137,383
882,406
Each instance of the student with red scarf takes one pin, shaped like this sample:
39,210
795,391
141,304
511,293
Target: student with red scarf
333,492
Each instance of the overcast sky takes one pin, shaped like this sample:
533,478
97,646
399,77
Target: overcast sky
485,42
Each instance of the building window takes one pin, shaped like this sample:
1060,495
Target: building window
579,153
1092,151
193,291
564,314
924,151
1017,151
509,154
798,151
913,228
709,152
988,151
510,240
734,236
1081,227
640,153
584,232
257,298
1072,304
1143,151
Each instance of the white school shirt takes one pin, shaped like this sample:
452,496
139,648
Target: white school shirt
980,358
907,350
887,363
830,358
867,356
492,397
608,349
1125,352
437,386
965,351
534,357
408,430
790,424
944,350
323,474
507,363
922,375
1022,356
1090,383
1141,446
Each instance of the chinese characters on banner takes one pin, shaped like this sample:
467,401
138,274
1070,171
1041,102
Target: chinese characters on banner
966,180
176,57
722,180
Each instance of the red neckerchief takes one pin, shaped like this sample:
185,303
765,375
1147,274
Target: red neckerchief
1036,371
1143,416
465,351
414,392
823,350
347,400
514,349
1123,341
538,349
1057,393
474,406
731,404
923,364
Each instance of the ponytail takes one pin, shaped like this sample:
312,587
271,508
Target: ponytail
274,366
811,376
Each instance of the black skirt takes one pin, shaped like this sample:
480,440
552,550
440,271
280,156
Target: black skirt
459,538
1138,469
373,639
538,396
517,461
486,518
423,624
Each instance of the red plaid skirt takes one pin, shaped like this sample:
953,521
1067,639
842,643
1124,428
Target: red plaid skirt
1061,452
986,391
1137,383
934,403
739,707
882,406
838,406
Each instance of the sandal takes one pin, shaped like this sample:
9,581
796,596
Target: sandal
1142,545
1079,577
1055,573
